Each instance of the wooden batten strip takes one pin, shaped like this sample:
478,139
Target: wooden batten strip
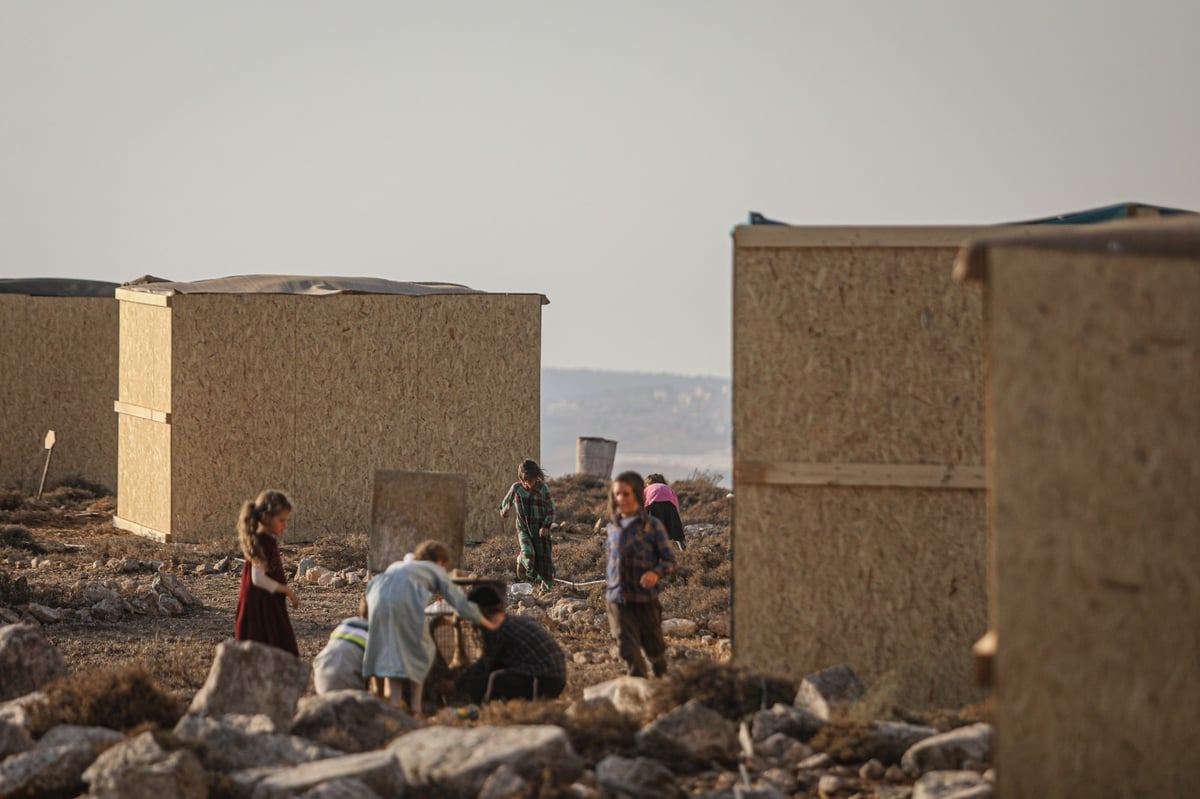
144,297
142,413
142,530
860,474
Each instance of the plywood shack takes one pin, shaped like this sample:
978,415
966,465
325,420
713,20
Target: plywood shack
58,342
293,383
859,519
1093,360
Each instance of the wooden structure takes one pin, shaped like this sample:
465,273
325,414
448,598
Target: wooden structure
1093,361
310,385
859,518
58,341
411,507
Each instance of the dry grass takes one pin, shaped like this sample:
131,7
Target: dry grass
118,699
732,691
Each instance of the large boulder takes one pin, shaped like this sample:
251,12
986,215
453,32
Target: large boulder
629,695
353,721
822,691
693,734
27,660
378,770
225,746
14,738
456,761
640,778
56,763
249,677
140,768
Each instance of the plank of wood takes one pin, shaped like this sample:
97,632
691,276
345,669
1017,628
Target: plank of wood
144,297
129,409
142,530
860,474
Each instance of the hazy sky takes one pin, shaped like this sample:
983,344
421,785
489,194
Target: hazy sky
598,154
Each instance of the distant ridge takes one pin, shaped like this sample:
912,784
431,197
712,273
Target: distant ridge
669,423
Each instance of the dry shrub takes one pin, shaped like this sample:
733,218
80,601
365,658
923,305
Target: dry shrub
336,552
119,699
14,536
13,591
702,501
594,731
77,481
852,741
11,499
579,498
944,720
732,691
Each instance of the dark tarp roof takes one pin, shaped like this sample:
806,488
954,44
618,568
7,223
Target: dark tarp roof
56,287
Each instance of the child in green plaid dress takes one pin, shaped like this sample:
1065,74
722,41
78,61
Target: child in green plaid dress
530,497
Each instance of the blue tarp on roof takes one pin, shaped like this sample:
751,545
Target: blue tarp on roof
1107,213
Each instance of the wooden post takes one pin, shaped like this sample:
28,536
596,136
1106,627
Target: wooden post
46,468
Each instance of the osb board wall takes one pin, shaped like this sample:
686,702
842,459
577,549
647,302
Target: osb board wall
144,484
234,384
887,581
847,355
480,410
313,394
1094,379
856,356
145,356
60,367
410,507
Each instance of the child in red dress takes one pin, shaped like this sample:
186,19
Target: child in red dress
262,603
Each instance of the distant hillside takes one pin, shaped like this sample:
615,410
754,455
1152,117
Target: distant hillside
666,423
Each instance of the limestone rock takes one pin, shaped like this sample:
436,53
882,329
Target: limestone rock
165,583
354,721
719,624
379,770
680,628
640,778
97,592
347,788
14,738
56,763
247,676
224,747
783,750
822,691
893,738
629,695
140,768
951,785
504,783
692,733
169,605
455,761
790,720
109,609
949,750
758,792
27,660
46,615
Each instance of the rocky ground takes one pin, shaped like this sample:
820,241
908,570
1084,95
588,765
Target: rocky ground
134,618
